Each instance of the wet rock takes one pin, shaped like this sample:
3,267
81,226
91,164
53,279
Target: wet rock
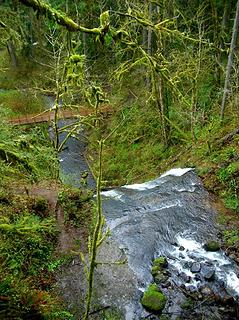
188,264
221,283
206,291
185,277
181,248
191,288
207,272
211,245
198,277
193,257
160,278
196,267
170,256
232,256
166,284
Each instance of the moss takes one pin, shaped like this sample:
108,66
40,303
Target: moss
212,245
187,304
160,277
112,314
155,270
160,262
153,299
77,58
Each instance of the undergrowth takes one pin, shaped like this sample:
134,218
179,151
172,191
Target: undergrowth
26,154
16,102
77,206
28,236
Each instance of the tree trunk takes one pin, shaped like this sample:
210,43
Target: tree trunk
149,42
230,60
225,19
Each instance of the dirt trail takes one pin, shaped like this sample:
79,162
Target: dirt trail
68,234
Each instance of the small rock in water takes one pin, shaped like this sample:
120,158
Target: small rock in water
181,256
185,277
181,248
207,272
221,283
192,256
198,277
196,267
188,264
191,288
166,284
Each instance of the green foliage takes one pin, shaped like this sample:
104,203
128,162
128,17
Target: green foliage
21,102
104,19
27,243
229,177
77,206
232,202
26,153
228,172
231,236
31,249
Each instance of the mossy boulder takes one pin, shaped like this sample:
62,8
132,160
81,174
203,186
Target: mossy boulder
212,245
153,299
158,264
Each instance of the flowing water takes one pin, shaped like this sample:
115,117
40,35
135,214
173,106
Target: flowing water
169,216
72,158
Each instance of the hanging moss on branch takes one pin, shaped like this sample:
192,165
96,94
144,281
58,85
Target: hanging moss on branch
62,19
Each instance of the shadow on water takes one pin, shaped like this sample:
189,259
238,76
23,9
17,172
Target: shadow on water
72,159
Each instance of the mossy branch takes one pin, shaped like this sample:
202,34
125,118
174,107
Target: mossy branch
96,234
61,18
